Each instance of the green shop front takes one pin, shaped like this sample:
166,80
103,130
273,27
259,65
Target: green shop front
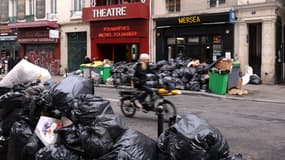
206,37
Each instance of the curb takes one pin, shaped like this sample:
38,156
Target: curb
184,92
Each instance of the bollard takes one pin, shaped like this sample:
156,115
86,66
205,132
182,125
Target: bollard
159,120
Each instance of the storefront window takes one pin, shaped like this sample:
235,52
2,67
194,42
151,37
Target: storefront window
217,47
173,5
171,41
180,40
193,40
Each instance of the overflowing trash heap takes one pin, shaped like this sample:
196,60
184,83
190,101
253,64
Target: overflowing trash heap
179,73
40,120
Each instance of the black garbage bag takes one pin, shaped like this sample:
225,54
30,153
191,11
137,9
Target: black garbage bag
3,147
96,141
192,138
254,79
23,86
56,152
4,90
34,90
132,145
86,108
10,101
62,94
236,157
194,86
18,114
20,135
114,123
70,136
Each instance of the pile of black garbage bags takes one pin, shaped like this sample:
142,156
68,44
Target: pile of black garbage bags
177,73
95,132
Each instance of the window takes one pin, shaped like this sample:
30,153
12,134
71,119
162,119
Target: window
4,10
31,7
77,5
14,8
52,6
20,9
40,9
173,5
216,3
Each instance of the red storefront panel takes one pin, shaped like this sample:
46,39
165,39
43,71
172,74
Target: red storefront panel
119,29
133,31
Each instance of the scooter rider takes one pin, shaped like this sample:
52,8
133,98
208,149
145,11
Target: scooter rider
141,69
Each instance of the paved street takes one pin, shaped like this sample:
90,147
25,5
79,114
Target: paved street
255,129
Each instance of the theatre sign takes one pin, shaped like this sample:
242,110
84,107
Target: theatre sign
124,11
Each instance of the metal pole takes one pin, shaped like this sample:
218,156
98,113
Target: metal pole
159,120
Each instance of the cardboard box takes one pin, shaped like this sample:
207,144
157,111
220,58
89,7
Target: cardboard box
224,64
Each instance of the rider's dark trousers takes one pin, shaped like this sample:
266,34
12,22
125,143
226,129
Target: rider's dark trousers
148,91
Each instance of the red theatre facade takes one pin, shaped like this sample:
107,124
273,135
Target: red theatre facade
119,32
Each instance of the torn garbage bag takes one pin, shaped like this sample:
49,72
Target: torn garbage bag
132,145
192,138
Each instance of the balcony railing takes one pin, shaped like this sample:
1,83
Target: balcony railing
13,19
30,18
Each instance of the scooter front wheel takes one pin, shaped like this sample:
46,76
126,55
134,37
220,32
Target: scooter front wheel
128,109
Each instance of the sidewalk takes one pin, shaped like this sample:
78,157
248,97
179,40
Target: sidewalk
259,93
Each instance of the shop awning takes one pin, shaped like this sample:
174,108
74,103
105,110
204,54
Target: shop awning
34,24
8,38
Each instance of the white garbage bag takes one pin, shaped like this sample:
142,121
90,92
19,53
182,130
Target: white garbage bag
24,72
246,77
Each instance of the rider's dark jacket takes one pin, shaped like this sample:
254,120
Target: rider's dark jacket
140,74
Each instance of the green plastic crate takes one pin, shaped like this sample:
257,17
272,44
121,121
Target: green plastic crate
218,83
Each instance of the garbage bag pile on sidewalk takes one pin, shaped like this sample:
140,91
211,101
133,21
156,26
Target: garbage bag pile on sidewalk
65,121
192,138
175,74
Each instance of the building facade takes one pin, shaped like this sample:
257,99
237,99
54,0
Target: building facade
119,30
251,31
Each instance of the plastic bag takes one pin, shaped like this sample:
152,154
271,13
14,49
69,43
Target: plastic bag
96,141
62,94
23,72
255,79
132,145
115,124
87,107
192,138
19,136
56,152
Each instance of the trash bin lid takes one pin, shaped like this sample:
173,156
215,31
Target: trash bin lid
236,64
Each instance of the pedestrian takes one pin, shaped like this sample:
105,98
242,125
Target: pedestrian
10,62
87,60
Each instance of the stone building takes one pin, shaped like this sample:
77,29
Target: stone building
251,31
